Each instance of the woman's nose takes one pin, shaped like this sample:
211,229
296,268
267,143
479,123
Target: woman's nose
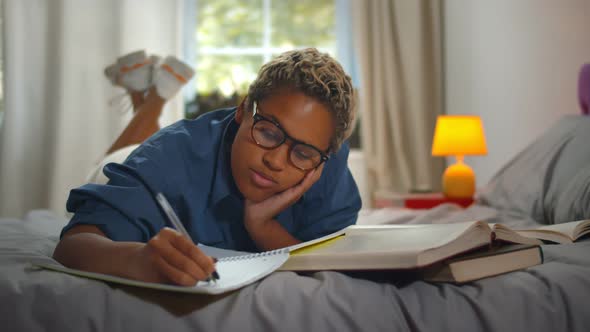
276,158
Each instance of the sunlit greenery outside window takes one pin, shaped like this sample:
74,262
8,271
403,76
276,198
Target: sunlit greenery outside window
235,38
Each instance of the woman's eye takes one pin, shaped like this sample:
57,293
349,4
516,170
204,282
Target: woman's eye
269,134
303,155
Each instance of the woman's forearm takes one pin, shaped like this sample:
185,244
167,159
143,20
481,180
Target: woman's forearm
96,253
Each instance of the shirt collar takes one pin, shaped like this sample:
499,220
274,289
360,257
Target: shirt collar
223,184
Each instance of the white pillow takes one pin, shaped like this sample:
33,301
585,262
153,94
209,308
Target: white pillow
97,176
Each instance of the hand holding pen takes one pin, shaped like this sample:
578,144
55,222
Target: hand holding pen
174,257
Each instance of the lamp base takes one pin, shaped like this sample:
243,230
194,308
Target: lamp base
459,181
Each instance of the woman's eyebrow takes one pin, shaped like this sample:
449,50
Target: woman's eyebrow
282,127
270,116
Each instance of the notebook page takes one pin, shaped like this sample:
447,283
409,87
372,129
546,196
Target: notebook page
239,271
220,252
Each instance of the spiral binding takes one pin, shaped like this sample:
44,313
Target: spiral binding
256,255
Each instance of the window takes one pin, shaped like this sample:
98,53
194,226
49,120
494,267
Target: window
232,39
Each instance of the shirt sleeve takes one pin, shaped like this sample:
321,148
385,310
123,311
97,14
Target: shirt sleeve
125,208
332,203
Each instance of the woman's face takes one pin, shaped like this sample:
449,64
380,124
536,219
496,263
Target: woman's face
258,172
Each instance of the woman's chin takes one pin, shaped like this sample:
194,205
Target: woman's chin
255,194
258,197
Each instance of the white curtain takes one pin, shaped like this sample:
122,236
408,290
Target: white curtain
398,45
58,122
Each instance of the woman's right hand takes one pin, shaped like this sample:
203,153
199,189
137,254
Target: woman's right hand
170,257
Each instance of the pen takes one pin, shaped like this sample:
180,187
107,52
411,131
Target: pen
175,221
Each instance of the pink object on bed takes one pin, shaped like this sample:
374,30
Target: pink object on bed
584,88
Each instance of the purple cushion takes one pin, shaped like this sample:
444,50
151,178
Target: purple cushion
584,89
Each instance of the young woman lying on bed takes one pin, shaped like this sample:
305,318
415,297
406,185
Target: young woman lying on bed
236,177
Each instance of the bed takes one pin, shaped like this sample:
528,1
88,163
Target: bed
548,182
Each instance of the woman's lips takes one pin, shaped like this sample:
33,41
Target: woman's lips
261,180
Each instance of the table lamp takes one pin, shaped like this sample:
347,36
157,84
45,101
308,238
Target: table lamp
458,135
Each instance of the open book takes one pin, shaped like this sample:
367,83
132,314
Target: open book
388,247
568,232
417,246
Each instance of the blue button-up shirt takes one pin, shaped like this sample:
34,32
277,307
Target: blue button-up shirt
189,162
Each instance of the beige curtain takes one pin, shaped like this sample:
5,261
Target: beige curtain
398,45
57,122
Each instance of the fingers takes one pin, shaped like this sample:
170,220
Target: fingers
310,178
254,213
173,274
177,258
191,251
317,173
292,194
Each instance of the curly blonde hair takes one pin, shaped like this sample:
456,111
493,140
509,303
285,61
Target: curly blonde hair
316,75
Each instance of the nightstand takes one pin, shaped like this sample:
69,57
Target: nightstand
416,201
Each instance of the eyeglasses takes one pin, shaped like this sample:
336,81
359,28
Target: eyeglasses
268,134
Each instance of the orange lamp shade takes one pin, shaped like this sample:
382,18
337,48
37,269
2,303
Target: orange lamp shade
458,135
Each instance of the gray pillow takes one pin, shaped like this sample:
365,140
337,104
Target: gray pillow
573,201
531,182
563,199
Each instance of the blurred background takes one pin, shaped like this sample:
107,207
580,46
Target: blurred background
513,63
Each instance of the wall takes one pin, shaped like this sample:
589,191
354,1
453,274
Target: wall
515,63
358,168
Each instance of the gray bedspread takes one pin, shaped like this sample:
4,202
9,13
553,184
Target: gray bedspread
551,297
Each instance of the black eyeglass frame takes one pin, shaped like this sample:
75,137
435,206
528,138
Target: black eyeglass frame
257,118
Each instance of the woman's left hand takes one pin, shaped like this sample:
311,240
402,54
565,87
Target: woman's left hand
258,214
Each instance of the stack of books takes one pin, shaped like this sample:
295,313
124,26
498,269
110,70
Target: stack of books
458,252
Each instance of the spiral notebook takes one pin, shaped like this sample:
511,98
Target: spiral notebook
235,271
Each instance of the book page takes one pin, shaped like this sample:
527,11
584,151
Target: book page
573,229
503,233
419,236
561,233
318,240
317,245
394,246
